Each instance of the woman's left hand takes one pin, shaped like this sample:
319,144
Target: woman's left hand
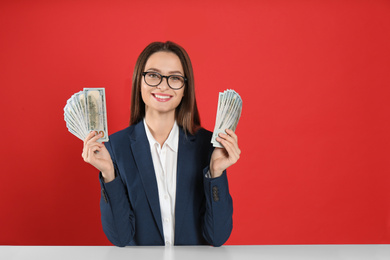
222,158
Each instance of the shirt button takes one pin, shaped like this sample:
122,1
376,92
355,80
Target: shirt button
166,220
167,243
166,197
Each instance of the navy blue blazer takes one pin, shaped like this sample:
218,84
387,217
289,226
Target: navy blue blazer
129,205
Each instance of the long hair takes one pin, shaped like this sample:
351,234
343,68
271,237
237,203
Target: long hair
186,114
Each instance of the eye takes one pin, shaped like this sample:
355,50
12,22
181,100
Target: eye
153,75
176,78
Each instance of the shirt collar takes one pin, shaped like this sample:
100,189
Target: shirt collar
172,140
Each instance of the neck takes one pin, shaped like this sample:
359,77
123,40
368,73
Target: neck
160,125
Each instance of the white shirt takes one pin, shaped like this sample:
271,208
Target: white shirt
165,165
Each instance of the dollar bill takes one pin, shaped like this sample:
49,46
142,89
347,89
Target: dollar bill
95,102
86,111
228,114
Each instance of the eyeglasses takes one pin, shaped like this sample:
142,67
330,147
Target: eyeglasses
154,79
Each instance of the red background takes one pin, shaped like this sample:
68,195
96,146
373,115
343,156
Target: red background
313,75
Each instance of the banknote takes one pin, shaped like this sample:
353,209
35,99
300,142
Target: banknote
85,111
95,99
228,114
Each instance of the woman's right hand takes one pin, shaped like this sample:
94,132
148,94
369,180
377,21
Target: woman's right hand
97,155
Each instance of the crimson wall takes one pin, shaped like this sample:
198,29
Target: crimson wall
314,133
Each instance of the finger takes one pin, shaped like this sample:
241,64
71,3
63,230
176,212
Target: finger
94,139
230,139
95,145
92,155
93,152
232,152
89,148
89,136
90,144
84,154
232,156
232,134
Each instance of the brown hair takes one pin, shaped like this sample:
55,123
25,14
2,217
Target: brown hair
187,115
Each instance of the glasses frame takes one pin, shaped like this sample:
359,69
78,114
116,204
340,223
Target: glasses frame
162,77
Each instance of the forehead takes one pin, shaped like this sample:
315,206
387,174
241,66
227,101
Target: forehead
164,62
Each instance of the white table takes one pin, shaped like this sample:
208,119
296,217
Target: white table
298,252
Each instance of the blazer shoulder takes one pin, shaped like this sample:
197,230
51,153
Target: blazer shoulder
121,135
204,133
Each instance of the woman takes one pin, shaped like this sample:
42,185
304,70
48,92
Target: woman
162,182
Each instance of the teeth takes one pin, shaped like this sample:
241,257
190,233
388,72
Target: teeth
162,97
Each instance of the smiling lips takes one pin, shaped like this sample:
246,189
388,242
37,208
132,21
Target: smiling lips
161,97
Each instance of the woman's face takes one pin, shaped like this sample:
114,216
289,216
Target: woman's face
162,99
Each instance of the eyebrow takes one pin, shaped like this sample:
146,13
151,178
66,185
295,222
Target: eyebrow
175,72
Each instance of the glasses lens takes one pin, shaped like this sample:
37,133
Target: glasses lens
152,78
175,82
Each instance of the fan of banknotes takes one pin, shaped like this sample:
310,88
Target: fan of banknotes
85,111
228,113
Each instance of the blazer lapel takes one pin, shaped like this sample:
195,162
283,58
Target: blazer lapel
141,152
184,182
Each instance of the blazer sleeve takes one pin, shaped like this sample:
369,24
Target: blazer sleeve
116,213
218,217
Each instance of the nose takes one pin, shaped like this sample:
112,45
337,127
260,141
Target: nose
164,84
